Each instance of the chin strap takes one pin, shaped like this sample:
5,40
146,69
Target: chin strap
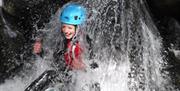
74,41
75,38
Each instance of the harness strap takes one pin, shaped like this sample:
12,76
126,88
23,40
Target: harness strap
74,41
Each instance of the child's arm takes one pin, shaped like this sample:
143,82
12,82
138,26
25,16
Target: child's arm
37,47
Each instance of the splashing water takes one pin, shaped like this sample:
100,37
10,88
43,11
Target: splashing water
127,48
0,3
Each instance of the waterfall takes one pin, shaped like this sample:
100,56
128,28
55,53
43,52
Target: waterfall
7,30
126,44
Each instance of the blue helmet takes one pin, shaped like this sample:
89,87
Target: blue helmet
73,14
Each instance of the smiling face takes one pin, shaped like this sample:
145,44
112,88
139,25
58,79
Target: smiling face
68,30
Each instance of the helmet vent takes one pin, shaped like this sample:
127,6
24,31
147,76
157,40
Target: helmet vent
75,17
73,13
66,17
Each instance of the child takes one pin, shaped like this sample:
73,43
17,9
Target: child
71,17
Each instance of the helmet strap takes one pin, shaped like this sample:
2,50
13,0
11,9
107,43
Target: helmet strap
75,37
74,41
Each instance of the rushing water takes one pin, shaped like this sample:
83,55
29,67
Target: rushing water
127,48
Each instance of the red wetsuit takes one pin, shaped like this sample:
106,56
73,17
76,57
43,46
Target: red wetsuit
74,60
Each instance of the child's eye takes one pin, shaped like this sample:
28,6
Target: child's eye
70,27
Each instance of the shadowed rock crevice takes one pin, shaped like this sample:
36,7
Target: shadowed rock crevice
166,16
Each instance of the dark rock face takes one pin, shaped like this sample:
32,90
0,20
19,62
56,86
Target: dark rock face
18,24
166,15
163,8
170,31
43,81
32,12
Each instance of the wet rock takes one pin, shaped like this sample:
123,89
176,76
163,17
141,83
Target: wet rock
34,12
161,8
19,22
169,29
166,15
43,81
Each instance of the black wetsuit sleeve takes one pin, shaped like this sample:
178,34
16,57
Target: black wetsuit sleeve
38,37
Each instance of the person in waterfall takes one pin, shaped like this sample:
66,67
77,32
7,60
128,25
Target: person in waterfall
71,17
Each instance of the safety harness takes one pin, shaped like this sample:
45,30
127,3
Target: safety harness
73,43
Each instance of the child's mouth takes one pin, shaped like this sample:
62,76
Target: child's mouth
68,34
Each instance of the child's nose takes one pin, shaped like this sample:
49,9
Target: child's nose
66,31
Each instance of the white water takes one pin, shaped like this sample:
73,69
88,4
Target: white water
137,63
110,77
127,48
20,83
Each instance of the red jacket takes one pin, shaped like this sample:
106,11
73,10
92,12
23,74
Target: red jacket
73,56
